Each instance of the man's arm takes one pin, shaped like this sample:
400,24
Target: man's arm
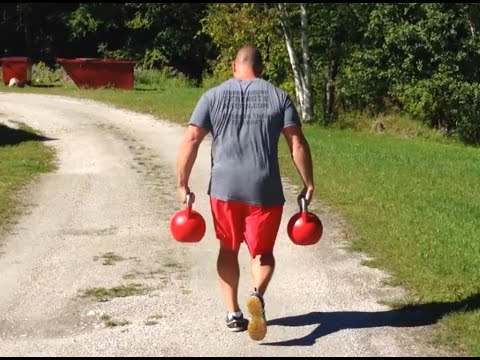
187,155
302,158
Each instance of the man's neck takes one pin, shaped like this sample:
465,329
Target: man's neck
245,75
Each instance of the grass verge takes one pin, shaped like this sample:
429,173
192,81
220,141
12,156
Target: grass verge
23,156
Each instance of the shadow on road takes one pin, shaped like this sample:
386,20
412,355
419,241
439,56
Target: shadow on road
408,316
9,136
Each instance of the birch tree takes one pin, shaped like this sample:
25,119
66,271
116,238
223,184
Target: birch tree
300,68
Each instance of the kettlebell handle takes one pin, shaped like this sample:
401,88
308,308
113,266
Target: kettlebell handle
302,202
189,200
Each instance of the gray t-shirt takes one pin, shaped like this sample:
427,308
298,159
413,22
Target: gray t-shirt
245,119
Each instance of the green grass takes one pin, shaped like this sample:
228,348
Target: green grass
109,258
117,291
22,157
393,123
110,322
414,206
411,198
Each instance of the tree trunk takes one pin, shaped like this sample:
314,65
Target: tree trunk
330,89
302,88
308,107
28,41
472,19
24,11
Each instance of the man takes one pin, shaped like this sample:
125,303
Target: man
246,116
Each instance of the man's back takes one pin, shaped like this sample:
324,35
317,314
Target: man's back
246,118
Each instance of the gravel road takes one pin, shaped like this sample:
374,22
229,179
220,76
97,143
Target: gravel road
99,223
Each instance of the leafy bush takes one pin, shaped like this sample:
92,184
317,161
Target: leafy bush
42,74
445,102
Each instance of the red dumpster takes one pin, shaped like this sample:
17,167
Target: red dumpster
98,73
16,67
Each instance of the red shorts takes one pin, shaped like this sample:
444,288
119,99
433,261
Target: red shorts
236,221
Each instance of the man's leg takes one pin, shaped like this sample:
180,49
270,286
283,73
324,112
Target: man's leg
229,230
262,267
261,232
229,275
262,270
262,229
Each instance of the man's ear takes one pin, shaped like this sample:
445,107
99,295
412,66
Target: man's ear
259,71
234,67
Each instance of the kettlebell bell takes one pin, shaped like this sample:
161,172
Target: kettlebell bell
187,225
304,228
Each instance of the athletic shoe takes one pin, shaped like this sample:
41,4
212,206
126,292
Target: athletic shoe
257,326
236,324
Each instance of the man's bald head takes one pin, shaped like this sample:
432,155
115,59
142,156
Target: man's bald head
249,56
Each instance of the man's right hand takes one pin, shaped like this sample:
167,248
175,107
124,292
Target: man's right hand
182,193
306,193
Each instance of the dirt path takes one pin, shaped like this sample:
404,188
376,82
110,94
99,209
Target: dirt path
113,194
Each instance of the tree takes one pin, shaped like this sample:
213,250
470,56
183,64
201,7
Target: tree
157,35
35,30
335,30
301,69
232,25
173,29
422,58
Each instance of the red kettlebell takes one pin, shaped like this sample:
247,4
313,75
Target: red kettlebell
304,228
187,225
